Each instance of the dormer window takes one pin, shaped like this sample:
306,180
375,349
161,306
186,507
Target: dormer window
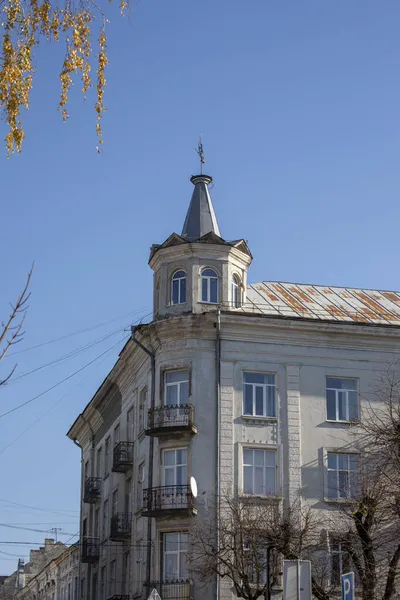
178,287
209,286
235,292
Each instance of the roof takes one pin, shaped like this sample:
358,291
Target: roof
200,217
323,303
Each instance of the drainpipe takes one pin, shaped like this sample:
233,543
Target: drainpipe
218,394
151,443
80,518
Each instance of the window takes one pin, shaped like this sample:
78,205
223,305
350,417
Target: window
116,435
105,519
235,291
175,548
342,470
142,408
75,588
96,522
341,399
103,583
86,469
259,472
126,572
175,467
209,286
259,396
114,503
140,566
107,456
94,587
112,577
83,587
255,556
176,387
130,425
99,461
141,476
178,288
339,560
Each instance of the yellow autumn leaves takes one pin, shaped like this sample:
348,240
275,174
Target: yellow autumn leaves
25,23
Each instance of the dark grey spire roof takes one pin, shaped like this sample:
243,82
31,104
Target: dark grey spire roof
200,218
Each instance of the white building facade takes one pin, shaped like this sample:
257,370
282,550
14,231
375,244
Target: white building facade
250,389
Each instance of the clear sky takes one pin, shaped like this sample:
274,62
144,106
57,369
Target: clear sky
298,103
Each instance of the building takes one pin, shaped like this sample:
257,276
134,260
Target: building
250,389
57,580
38,559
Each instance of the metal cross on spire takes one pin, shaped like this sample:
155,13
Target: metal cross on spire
201,153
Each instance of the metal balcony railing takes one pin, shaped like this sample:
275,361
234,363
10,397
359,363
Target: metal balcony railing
180,589
170,499
90,549
121,527
171,418
123,457
92,490
118,597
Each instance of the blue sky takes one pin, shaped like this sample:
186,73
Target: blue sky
298,103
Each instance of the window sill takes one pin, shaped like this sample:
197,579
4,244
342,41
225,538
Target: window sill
259,418
176,304
339,501
254,499
209,303
334,422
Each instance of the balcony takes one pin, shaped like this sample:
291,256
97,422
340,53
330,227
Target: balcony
121,527
92,491
170,500
171,419
118,597
123,457
90,550
181,589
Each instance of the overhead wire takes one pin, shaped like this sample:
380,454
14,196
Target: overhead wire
59,382
79,331
59,511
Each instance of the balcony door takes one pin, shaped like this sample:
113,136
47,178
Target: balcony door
175,477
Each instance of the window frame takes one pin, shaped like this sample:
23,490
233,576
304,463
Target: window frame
130,424
143,397
264,449
347,401
107,456
180,553
176,384
350,483
341,555
265,398
174,467
180,280
208,279
105,524
236,293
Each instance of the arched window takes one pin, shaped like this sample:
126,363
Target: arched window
209,286
235,291
178,288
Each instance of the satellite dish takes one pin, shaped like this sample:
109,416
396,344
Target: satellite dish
193,486
154,595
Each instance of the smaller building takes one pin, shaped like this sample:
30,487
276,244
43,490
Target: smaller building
57,580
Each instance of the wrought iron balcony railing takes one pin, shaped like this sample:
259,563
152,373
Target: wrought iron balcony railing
123,457
118,597
92,490
90,549
121,527
171,418
168,500
179,589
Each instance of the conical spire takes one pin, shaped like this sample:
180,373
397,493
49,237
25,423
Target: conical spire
200,218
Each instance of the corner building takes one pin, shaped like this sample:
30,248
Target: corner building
251,389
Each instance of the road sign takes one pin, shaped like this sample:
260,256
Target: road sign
348,586
296,580
154,595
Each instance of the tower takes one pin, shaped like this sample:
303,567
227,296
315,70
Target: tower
199,270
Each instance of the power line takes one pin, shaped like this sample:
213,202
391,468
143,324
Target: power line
47,510
35,530
65,357
63,337
60,382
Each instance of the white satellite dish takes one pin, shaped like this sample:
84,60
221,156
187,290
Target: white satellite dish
154,595
193,486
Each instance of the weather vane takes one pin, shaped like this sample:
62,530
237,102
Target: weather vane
201,153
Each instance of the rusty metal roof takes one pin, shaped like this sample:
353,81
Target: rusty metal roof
327,303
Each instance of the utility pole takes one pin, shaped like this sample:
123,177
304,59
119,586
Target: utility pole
55,530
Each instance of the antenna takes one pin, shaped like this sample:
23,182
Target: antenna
54,530
201,153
